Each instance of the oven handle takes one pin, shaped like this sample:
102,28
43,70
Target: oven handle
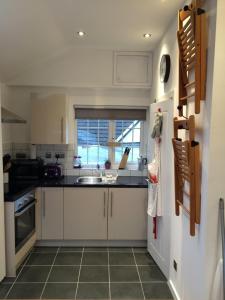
25,209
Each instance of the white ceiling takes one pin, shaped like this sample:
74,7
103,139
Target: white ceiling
34,30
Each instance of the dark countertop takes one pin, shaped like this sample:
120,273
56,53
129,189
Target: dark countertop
122,181
71,181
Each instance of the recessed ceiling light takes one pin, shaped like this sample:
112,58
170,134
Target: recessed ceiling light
147,35
81,33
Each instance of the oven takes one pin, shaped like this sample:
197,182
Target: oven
24,219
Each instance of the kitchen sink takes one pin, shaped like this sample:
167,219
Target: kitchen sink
89,180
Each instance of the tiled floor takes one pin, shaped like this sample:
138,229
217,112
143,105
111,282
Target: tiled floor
87,273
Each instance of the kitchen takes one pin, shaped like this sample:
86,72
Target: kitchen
87,122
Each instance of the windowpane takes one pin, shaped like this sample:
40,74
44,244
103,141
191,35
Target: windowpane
92,154
82,151
128,133
92,139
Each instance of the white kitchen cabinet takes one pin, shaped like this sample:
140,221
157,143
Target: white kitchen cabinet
52,214
127,214
132,69
49,120
85,213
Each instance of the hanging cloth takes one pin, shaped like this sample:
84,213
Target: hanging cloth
154,188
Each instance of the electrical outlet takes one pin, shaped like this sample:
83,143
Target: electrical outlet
175,265
59,155
48,155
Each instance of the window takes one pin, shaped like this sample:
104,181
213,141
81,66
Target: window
93,137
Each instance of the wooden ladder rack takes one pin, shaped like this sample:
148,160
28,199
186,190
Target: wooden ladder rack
187,171
191,36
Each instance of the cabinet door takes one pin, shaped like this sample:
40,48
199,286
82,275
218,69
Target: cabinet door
85,213
127,214
49,120
52,213
132,68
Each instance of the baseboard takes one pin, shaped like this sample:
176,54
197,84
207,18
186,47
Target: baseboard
91,243
173,290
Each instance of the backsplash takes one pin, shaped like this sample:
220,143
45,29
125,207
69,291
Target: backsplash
66,152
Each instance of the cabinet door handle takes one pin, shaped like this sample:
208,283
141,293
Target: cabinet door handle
104,214
111,214
62,129
43,204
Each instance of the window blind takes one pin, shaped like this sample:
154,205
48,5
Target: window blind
110,114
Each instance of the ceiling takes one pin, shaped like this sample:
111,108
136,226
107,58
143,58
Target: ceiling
34,30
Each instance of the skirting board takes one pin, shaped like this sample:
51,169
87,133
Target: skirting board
91,243
173,290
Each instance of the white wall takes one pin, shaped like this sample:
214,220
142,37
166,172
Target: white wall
190,281
216,188
19,102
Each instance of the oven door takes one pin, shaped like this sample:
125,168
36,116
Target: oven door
24,224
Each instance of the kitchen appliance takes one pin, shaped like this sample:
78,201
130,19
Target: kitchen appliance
142,161
24,219
53,171
26,170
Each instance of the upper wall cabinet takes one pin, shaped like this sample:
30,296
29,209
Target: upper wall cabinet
132,69
49,120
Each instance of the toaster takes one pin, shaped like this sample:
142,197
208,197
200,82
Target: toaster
53,171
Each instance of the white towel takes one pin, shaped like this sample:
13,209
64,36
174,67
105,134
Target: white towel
154,189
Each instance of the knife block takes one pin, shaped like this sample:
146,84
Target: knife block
123,162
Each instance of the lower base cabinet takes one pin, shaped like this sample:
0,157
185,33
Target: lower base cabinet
85,213
91,213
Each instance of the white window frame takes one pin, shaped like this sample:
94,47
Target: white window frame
111,157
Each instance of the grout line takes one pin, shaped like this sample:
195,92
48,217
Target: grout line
153,265
23,265
138,274
89,282
110,295
49,274
78,278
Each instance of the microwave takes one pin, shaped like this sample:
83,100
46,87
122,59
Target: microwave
25,171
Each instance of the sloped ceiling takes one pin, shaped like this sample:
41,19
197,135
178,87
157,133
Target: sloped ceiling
35,30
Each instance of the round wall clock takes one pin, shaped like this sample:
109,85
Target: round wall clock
165,68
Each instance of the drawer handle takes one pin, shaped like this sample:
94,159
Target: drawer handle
43,211
111,214
104,214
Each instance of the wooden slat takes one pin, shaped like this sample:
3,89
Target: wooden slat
189,84
197,183
188,49
203,55
187,24
192,193
188,96
184,207
190,61
187,41
198,66
186,33
191,66
189,54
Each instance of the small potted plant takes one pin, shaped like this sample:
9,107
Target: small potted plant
107,164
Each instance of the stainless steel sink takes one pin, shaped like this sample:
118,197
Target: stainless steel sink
89,180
